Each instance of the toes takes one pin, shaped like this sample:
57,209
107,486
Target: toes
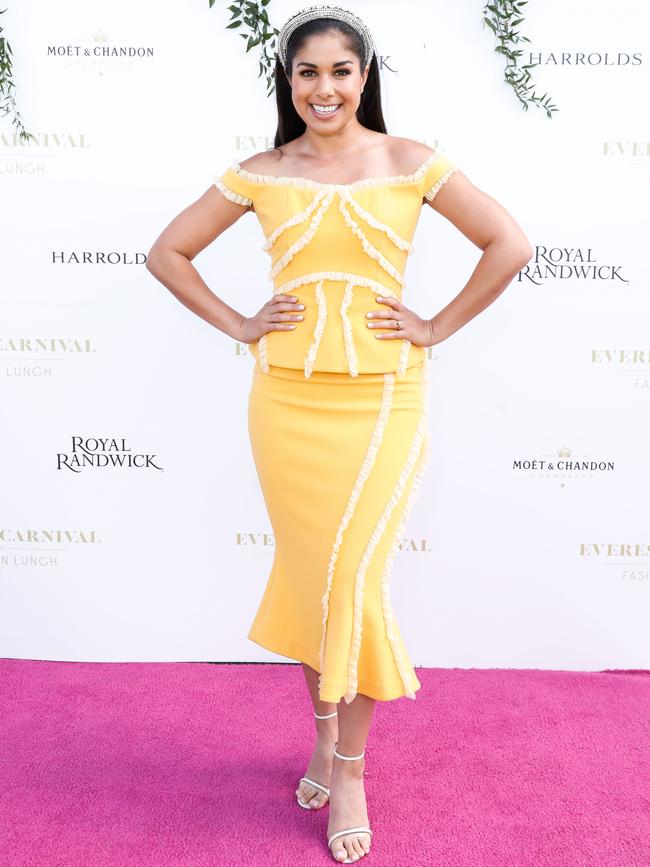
360,846
306,792
311,796
352,849
356,848
300,792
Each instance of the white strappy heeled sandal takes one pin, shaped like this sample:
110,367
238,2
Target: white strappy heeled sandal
359,830
313,782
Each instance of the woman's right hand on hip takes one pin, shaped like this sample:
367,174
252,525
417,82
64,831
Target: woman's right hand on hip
276,315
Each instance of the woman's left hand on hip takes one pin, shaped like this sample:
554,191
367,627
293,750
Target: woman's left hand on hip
401,323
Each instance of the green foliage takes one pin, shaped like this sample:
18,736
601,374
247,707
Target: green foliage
253,17
7,86
502,16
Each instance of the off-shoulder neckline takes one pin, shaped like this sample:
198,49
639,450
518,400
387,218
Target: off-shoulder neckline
387,180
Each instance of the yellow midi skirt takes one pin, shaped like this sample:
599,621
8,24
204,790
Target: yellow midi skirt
339,460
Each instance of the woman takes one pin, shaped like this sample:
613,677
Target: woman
337,410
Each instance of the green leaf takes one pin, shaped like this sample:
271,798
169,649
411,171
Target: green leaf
233,25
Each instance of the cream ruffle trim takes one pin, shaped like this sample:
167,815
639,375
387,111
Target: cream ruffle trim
399,242
431,192
300,217
231,194
303,240
364,472
350,352
359,280
318,330
348,339
323,200
412,496
369,248
310,184
417,445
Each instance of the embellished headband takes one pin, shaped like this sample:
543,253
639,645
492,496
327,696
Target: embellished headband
313,12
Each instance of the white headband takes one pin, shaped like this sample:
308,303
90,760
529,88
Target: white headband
314,12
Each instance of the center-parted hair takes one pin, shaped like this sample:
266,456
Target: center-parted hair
369,113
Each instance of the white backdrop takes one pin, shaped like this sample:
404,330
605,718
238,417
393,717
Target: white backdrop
529,543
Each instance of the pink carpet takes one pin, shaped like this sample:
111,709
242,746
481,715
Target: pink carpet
193,764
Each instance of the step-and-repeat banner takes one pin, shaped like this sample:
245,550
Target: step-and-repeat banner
132,525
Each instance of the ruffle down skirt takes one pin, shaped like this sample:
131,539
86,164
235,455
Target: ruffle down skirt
340,461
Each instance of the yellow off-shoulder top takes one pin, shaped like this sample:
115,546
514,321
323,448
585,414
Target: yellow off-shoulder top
336,247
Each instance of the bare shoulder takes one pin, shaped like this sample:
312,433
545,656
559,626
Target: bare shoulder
261,162
455,187
407,154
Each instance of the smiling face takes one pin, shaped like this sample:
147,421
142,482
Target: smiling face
325,74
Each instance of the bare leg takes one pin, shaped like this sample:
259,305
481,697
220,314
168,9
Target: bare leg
320,767
348,798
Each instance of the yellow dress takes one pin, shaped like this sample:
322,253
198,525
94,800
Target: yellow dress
338,422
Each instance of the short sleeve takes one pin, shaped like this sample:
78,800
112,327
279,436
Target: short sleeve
234,187
437,171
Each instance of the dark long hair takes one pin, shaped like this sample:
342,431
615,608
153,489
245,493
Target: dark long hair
369,113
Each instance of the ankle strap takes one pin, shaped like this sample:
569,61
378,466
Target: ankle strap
326,716
348,758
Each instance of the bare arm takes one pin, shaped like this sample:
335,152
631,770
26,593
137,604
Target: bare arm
505,250
170,258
